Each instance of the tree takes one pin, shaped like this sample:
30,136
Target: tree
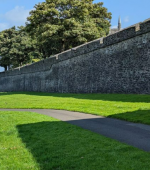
22,48
16,47
5,47
62,24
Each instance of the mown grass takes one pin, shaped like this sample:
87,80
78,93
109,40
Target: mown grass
38,142
134,108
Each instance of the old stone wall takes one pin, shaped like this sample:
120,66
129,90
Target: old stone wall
118,63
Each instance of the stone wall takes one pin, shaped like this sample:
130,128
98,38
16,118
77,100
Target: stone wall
118,63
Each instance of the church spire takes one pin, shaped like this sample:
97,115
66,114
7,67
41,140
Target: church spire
119,24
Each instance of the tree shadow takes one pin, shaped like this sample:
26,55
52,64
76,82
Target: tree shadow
142,98
138,116
54,145
59,145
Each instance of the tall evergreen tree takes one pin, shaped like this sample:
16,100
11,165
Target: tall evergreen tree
22,48
5,47
16,47
62,24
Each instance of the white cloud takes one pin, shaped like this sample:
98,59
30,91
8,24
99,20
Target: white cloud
126,19
17,16
4,26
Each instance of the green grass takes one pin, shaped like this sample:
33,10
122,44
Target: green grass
38,142
134,108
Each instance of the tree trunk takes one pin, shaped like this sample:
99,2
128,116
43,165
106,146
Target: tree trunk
43,52
5,67
63,46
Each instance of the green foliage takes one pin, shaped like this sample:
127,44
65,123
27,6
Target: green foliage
134,108
16,47
38,142
54,26
21,49
63,24
5,46
35,60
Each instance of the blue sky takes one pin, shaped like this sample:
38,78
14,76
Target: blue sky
15,12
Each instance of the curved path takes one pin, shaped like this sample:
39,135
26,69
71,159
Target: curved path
137,135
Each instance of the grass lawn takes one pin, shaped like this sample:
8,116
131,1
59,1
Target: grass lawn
38,142
134,108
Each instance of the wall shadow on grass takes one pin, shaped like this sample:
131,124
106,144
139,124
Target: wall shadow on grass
58,145
105,97
138,116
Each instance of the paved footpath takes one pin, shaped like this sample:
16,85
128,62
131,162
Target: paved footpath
137,135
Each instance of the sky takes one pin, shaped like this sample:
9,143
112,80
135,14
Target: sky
15,12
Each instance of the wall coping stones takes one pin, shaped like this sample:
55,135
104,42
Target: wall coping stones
46,64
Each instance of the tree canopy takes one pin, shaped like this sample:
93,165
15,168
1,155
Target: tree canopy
62,24
52,27
16,47
5,46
